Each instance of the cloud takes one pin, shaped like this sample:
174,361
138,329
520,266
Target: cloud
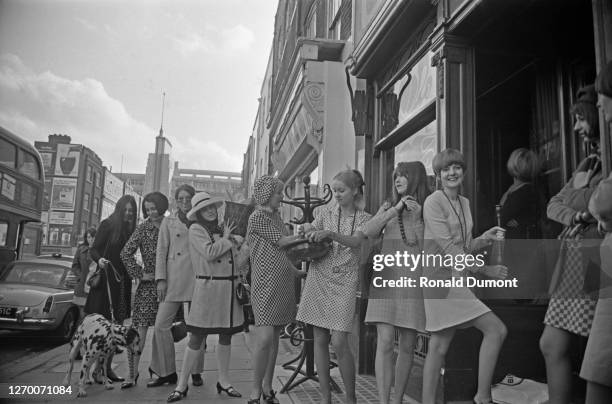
231,40
238,37
200,153
34,105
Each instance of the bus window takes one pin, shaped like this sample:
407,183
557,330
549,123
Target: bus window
3,233
8,152
28,164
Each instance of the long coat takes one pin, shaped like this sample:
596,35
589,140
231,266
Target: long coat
121,288
80,267
172,262
215,309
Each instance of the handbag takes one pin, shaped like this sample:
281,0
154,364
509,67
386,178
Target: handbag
94,277
243,293
179,328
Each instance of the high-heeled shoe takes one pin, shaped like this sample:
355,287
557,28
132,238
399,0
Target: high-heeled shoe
196,379
177,395
270,398
113,377
160,381
229,390
128,385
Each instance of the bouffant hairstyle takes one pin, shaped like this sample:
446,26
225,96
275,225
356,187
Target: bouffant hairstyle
91,231
523,164
158,199
185,187
446,158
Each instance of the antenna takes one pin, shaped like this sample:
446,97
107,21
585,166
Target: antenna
161,126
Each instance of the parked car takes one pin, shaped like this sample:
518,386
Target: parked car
36,294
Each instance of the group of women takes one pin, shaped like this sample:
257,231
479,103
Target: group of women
192,257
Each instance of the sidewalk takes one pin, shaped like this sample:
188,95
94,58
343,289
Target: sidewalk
50,368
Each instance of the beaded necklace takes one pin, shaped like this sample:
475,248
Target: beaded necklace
463,233
400,220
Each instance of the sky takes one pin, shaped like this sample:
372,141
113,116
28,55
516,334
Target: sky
96,69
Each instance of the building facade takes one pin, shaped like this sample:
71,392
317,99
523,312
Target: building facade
223,184
73,192
484,77
158,173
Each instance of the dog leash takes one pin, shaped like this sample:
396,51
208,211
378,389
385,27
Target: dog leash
110,298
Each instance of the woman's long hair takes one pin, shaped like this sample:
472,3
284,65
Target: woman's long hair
418,186
118,225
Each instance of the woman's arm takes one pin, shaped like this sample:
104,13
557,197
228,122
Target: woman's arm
200,241
128,251
376,224
163,248
103,235
441,240
557,209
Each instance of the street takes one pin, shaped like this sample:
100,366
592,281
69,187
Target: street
21,345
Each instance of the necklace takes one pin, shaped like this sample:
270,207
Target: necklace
352,225
463,233
400,220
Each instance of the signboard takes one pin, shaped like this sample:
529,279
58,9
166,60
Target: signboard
47,159
8,187
64,193
66,218
67,160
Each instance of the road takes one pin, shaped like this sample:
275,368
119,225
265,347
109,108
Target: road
16,345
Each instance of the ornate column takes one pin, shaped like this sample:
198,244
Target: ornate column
455,105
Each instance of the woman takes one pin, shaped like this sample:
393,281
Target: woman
144,238
519,204
570,310
597,363
273,287
448,231
174,278
329,296
398,309
80,267
215,309
112,235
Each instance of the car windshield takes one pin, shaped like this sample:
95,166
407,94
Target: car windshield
35,273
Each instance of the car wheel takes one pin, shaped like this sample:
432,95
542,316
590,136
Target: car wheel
65,331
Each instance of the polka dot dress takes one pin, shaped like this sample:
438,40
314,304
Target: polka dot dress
329,296
273,281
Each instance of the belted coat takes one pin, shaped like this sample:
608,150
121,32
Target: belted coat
214,309
172,261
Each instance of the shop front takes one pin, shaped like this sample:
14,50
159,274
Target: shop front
485,77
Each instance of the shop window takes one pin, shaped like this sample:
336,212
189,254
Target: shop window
415,90
421,146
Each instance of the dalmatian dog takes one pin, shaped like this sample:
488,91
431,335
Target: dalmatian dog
97,338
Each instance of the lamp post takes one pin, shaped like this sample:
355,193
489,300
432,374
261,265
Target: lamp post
302,333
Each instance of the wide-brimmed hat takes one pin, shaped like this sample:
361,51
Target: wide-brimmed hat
200,201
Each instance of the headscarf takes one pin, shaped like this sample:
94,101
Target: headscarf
603,82
264,188
586,105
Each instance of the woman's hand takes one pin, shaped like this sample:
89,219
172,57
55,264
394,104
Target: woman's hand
298,272
491,234
147,276
228,228
103,262
495,271
162,287
319,235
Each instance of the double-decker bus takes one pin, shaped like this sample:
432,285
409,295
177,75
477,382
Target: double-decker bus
21,197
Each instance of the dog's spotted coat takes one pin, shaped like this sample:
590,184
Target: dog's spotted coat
97,338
